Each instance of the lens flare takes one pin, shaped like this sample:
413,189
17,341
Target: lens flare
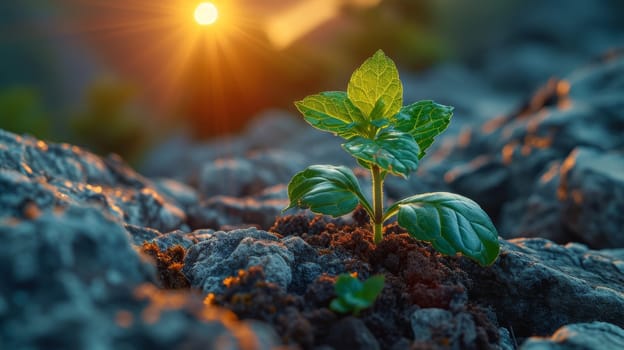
206,13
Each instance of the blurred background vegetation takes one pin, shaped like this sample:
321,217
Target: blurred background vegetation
119,76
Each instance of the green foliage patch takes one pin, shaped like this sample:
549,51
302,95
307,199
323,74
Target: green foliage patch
354,295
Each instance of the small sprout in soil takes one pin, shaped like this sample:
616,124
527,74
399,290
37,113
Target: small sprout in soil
354,295
388,138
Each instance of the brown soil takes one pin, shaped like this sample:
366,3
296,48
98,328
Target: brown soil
169,264
415,277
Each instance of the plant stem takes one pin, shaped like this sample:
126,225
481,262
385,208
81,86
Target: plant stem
377,219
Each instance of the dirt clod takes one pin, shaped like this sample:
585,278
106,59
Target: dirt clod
169,264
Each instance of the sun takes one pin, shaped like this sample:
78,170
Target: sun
206,13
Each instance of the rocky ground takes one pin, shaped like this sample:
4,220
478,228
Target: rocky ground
198,254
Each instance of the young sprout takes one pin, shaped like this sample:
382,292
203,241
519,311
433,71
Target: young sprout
354,295
388,138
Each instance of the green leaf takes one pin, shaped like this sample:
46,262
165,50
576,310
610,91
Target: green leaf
393,151
347,284
354,295
380,123
424,120
376,79
355,301
326,189
331,111
340,306
371,288
451,223
364,164
378,111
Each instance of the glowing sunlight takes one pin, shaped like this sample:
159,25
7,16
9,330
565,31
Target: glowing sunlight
208,59
206,13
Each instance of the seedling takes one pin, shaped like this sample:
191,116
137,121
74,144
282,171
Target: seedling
388,138
354,295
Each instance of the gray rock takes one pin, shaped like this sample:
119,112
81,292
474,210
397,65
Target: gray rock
71,276
141,234
599,82
485,178
166,240
71,280
18,192
578,199
222,254
536,286
289,262
231,177
183,160
423,320
432,325
35,158
240,177
539,215
302,251
61,272
274,147
273,128
506,343
178,237
306,269
183,195
35,174
617,254
180,158
148,208
592,194
304,274
511,165
351,333
580,336
221,211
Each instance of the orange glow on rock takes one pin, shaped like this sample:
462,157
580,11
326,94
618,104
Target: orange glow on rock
550,174
564,104
538,141
563,88
568,164
209,299
491,125
507,152
526,150
124,318
31,211
577,197
465,137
